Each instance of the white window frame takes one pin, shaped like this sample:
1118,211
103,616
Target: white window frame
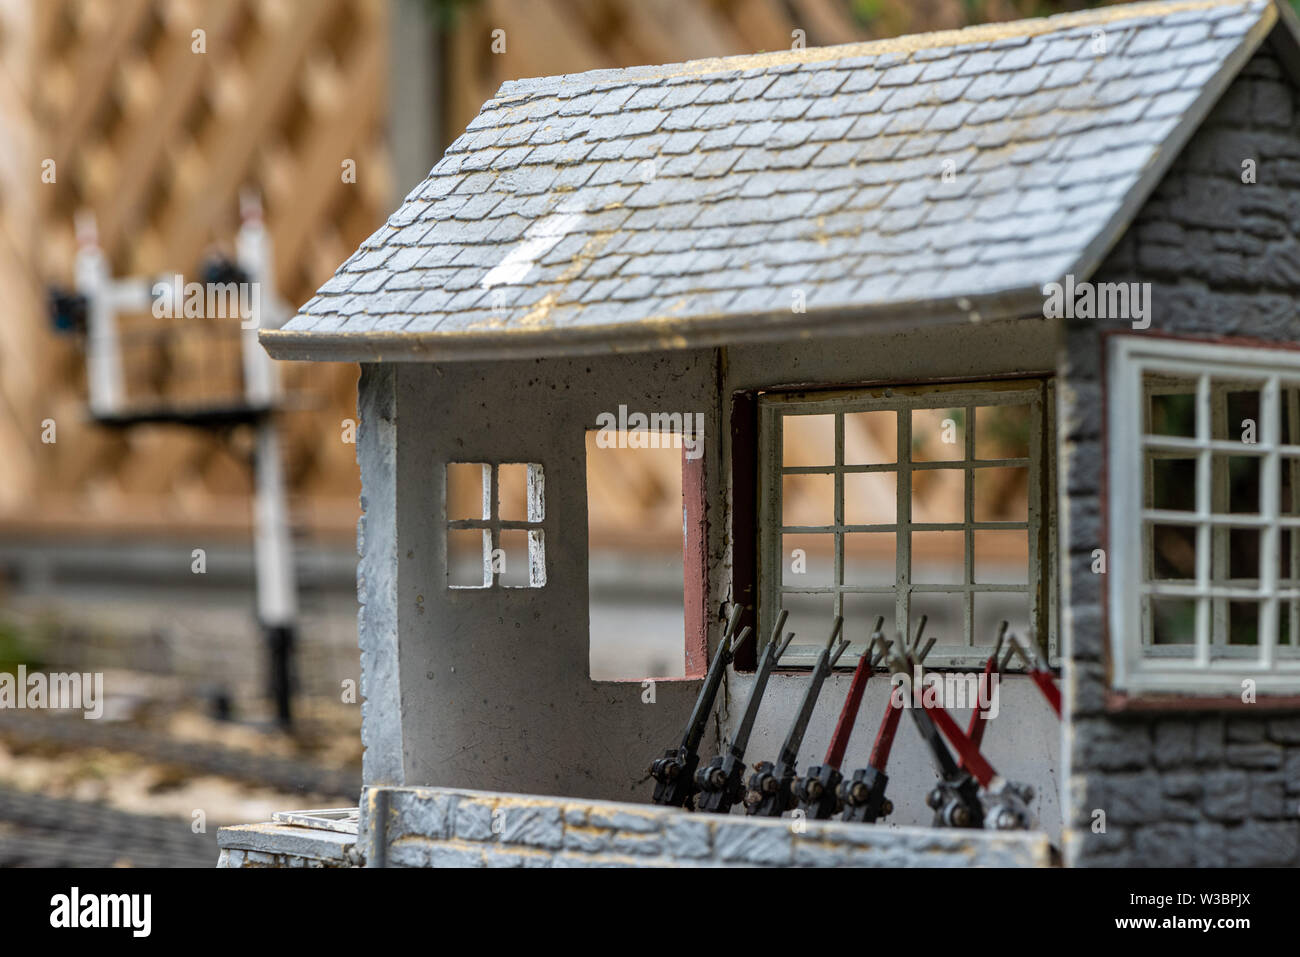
1134,669
491,524
1035,393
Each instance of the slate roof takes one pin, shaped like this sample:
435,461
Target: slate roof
944,175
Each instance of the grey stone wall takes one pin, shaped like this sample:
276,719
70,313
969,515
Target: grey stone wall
1199,788
439,827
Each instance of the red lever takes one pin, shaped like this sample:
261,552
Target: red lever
1045,684
971,759
849,713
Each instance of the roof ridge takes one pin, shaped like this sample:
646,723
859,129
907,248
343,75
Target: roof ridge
526,87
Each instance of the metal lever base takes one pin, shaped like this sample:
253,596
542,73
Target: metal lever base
956,803
674,776
818,792
863,796
769,793
721,785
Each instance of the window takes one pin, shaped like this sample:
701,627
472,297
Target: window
635,560
494,525
905,502
1204,448
646,562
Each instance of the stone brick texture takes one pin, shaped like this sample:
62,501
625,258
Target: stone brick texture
234,858
440,827
1206,788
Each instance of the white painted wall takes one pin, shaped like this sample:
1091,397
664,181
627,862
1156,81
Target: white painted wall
495,692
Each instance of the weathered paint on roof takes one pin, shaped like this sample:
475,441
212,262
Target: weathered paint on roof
944,175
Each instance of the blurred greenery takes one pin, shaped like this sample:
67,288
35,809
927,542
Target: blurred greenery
16,648
444,13
892,17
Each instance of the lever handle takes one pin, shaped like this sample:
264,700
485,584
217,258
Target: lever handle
920,630
740,640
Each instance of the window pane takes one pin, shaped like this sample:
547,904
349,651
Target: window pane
938,558
870,558
991,608
809,560
1173,406
1002,495
945,619
938,435
860,613
870,498
510,561
467,556
807,440
518,501
1243,554
1243,421
808,499
870,438
1173,621
810,619
1239,493
939,495
1174,552
1002,432
1243,623
1001,558
1171,483
469,485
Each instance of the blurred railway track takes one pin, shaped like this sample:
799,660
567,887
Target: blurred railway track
283,773
40,831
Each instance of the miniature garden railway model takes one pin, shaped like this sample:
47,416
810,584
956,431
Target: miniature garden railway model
882,366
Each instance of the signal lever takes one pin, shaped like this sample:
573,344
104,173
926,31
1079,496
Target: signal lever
817,790
955,799
721,782
769,793
674,773
863,795
1038,670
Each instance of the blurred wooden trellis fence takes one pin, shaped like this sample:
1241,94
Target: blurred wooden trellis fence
156,130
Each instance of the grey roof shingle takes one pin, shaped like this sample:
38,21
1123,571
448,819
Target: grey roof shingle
946,169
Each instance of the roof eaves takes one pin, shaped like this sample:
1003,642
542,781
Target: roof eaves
648,335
